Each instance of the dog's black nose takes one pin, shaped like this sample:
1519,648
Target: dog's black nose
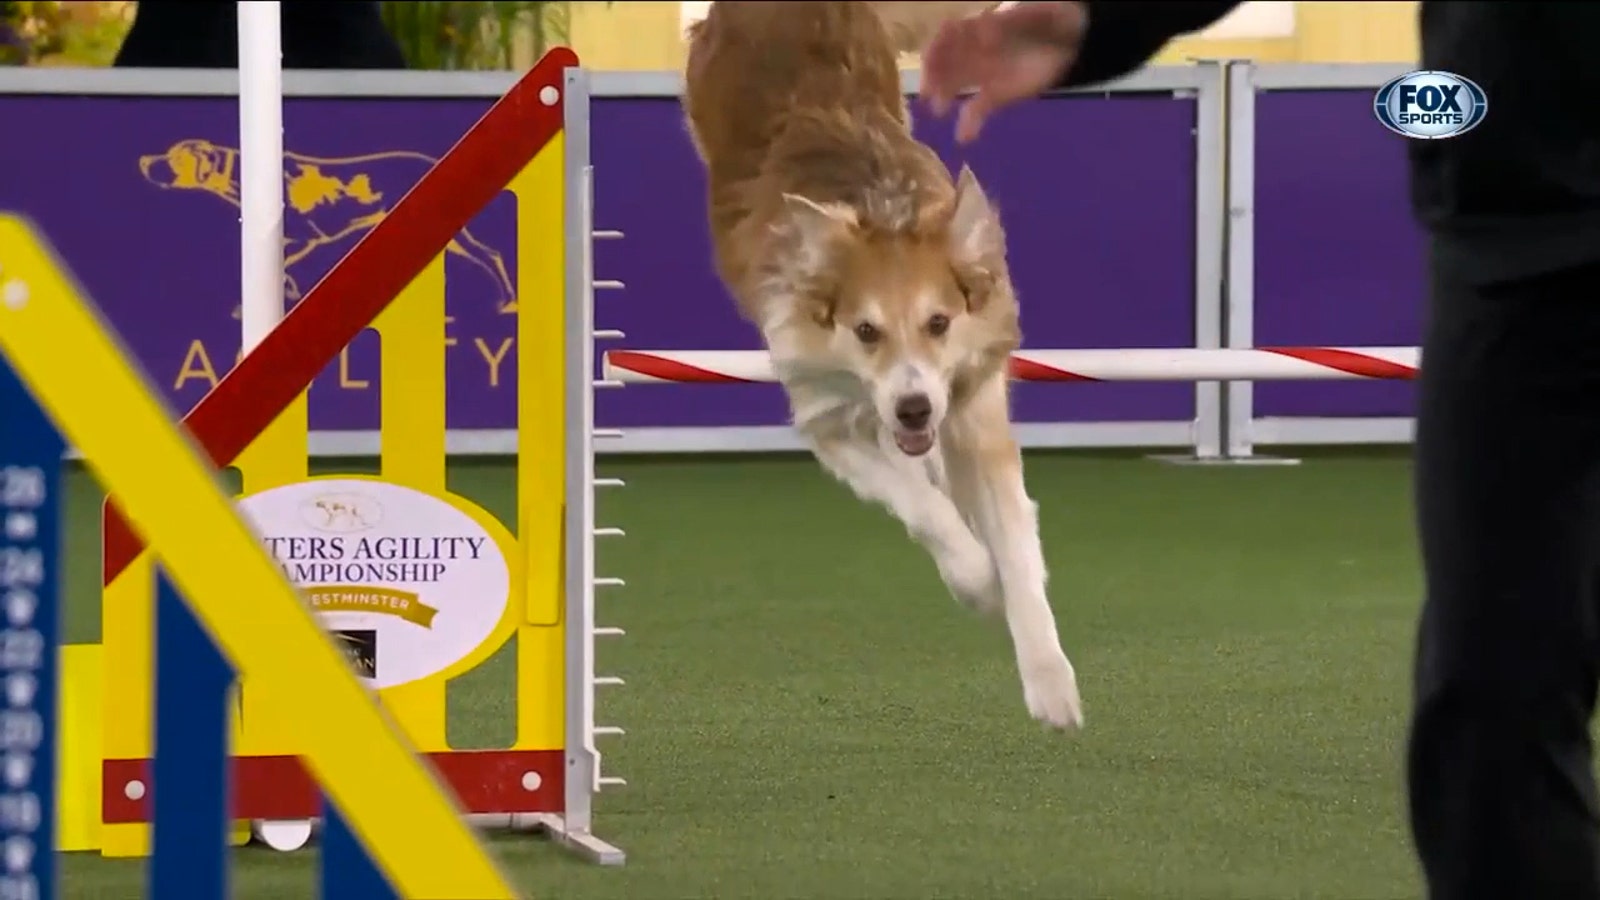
913,411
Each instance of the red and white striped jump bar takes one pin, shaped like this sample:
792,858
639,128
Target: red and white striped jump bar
1180,364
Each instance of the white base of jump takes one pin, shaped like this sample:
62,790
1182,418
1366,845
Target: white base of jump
292,834
583,843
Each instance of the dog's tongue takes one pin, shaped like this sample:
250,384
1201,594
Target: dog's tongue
913,443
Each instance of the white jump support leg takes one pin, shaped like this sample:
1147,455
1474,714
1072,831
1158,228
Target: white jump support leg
1210,245
1238,399
260,170
261,237
574,827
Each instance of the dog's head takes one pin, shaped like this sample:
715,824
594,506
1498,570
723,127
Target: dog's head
918,306
192,165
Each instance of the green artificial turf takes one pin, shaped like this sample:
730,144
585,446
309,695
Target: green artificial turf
810,715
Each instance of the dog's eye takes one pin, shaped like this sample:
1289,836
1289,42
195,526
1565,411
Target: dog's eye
867,333
938,324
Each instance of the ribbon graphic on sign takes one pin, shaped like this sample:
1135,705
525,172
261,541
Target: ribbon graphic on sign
369,599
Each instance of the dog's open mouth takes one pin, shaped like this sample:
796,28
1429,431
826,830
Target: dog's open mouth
914,443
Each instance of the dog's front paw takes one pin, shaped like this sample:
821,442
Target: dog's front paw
969,572
1050,688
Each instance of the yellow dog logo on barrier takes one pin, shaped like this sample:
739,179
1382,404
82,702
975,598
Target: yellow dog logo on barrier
329,201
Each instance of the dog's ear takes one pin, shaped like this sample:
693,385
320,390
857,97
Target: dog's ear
809,233
977,242
816,225
976,237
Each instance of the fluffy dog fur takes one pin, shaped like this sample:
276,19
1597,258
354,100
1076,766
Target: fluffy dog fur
881,288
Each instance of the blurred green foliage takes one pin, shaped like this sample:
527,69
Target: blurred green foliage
62,34
471,35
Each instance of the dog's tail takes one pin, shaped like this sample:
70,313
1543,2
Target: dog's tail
912,24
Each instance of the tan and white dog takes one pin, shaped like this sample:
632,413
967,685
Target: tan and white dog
881,288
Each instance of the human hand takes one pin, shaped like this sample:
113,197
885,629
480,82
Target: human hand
1002,56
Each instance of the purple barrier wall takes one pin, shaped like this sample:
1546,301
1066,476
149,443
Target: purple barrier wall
1338,256
139,194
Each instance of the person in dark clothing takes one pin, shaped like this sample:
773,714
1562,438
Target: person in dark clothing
204,34
1507,454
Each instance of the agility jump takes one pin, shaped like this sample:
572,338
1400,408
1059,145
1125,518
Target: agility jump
342,539
533,142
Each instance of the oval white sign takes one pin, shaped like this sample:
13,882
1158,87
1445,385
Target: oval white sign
406,582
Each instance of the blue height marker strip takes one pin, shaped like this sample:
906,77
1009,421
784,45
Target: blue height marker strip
348,872
190,794
30,636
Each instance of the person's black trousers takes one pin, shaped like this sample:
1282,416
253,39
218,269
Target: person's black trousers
1501,786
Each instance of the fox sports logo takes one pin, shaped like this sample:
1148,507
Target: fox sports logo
1430,105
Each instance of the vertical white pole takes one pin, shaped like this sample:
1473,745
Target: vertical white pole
260,169
261,231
